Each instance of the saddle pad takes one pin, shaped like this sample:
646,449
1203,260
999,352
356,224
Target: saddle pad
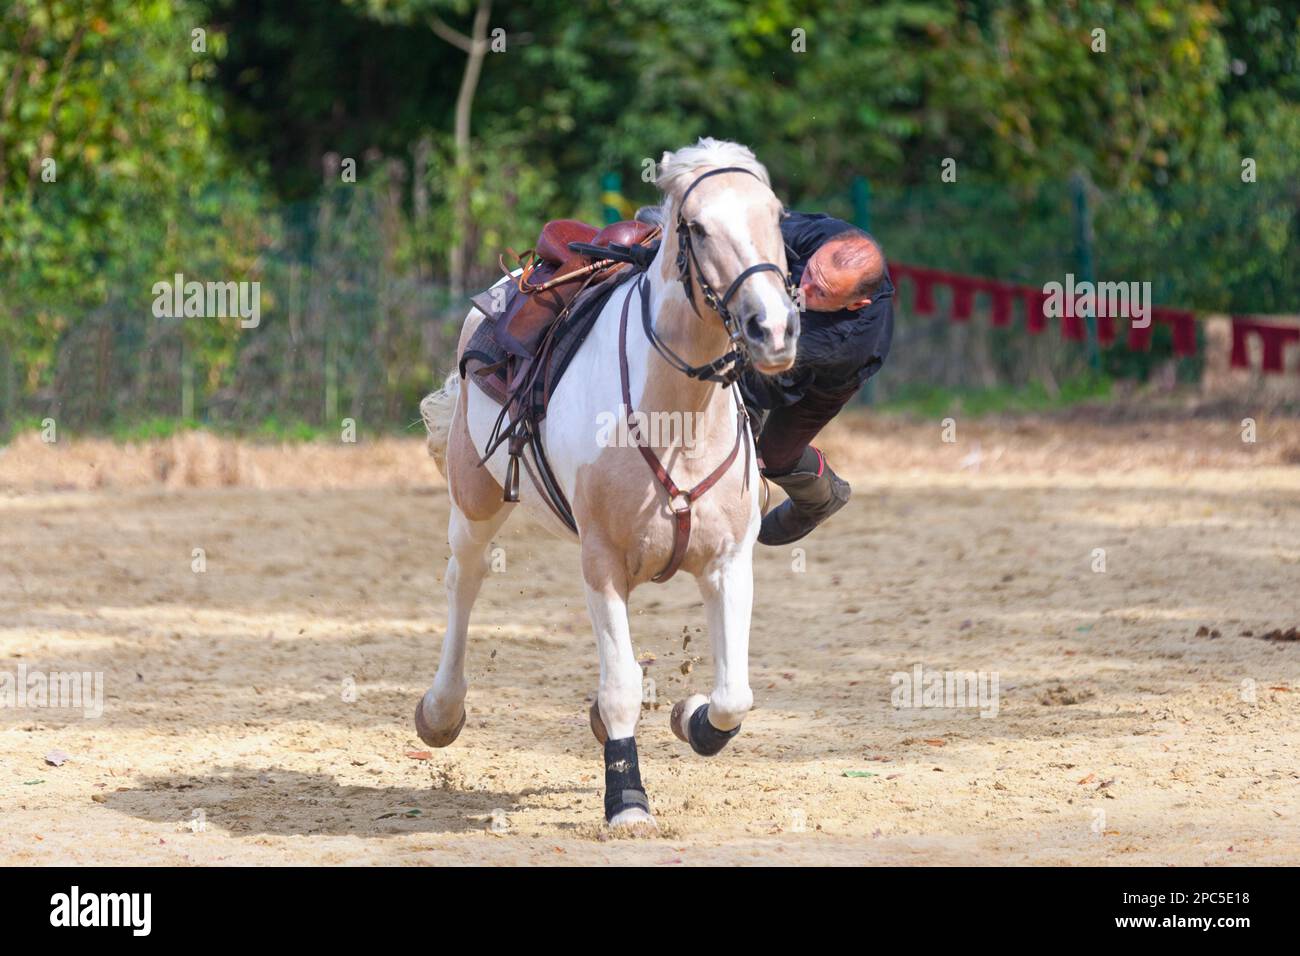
486,360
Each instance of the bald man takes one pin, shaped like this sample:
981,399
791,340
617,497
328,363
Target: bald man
846,328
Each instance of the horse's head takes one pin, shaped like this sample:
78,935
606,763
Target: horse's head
725,221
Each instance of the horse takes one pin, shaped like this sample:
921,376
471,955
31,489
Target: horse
641,513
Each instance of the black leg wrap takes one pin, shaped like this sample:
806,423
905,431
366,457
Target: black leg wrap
707,740
623,778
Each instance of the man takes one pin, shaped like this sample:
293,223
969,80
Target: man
846,327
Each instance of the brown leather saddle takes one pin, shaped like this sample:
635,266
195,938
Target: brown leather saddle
552,277
534,324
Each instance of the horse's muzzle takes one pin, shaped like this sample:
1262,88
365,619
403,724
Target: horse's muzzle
771,342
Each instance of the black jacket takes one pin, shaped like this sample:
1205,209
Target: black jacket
838,351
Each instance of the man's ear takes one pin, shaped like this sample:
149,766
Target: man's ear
860,304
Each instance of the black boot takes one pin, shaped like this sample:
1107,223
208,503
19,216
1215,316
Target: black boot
815,493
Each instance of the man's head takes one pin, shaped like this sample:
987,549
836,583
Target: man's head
845,273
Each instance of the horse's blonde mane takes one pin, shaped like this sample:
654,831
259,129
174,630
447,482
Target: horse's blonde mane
677,170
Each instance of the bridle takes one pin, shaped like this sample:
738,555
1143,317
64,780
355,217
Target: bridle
726,368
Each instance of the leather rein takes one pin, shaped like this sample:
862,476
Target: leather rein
723,370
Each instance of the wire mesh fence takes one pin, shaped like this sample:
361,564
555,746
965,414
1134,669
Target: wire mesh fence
355,323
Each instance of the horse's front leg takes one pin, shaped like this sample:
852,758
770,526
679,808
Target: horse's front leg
618,699
727,586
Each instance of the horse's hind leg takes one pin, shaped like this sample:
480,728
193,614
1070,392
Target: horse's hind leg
619,695
477,512
440,715
707,724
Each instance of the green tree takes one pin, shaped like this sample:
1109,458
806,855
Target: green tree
107,160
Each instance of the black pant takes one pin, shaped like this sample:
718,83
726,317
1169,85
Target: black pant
784,433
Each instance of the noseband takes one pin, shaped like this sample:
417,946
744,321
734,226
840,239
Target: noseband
727,368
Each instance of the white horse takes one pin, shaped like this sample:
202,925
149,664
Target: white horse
724,219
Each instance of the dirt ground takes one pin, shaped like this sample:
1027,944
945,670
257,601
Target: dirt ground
259,712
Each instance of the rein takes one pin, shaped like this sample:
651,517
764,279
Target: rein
679,500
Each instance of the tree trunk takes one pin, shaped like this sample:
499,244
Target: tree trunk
476,48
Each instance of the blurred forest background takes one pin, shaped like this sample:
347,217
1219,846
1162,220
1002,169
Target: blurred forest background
211,138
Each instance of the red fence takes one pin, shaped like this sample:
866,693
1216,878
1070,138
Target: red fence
1037,307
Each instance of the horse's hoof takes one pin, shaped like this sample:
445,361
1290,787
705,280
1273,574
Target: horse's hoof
433,736
598,725
634,822
680,718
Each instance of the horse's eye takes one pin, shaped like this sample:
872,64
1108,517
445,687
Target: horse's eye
698,231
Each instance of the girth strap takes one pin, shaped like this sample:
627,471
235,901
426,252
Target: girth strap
679,501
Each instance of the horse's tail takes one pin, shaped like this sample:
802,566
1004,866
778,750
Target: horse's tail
437,409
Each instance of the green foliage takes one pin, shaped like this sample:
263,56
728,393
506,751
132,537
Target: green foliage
1030,100
509,197
152,429
932,401
113,94
275,430
160,428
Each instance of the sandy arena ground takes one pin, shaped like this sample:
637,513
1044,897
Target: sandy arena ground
1143,716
